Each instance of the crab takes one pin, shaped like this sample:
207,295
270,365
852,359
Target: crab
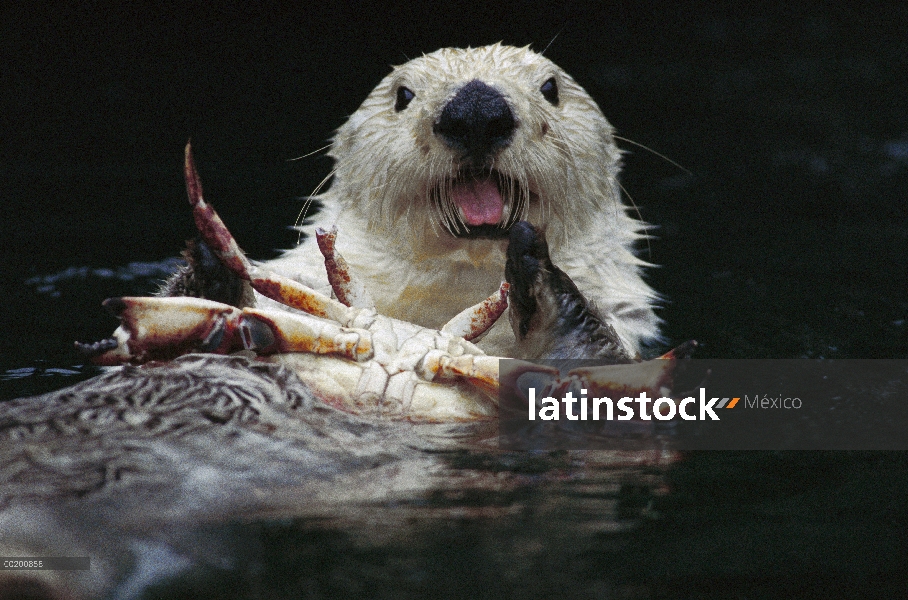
351,356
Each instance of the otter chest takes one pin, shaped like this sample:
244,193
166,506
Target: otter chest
431,291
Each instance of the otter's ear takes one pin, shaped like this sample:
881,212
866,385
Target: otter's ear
549,315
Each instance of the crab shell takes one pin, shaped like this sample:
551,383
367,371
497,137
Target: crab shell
350,356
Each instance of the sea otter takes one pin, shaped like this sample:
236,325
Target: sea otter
434,170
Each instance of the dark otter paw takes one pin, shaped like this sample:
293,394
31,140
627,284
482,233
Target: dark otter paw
205,277
549,315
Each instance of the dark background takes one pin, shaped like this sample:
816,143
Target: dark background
785,237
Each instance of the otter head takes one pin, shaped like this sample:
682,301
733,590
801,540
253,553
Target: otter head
468,142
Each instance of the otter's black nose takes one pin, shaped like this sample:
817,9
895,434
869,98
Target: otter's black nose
476,122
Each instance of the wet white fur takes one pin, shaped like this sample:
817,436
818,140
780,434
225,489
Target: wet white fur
389,232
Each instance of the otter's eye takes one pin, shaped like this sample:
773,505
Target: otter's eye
549,91
403,98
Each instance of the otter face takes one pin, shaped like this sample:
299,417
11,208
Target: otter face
471,141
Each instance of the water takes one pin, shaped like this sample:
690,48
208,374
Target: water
787,238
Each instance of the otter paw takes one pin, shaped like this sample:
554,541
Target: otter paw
204,276
549,315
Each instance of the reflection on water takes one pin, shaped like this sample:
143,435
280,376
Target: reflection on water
508,533
189,486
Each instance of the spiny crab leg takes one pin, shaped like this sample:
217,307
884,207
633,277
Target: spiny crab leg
274,286
476,320
349,291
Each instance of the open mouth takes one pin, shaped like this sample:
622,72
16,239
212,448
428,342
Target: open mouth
480,204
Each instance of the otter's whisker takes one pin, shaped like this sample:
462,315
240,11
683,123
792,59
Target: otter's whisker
309,154
646,235
440,204
437,204
648,149
452,212
301,217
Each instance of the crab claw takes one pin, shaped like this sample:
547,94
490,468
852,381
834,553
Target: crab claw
164,328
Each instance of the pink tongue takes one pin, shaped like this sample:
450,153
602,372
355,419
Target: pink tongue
480,201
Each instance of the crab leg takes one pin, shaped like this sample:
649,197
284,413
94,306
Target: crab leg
274,286
478,369
271,332
476,320
615,381
348,290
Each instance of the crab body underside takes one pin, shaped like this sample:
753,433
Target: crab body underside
349,355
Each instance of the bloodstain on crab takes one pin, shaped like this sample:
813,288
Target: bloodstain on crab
349,355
